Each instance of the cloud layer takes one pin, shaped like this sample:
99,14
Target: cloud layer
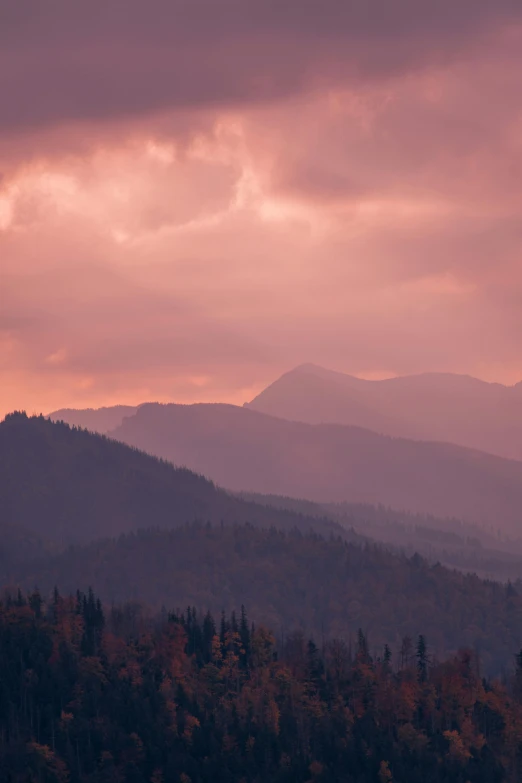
195,196
63,61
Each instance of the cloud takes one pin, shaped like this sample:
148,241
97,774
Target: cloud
197,196
63,62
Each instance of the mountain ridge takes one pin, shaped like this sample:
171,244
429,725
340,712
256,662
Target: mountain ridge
245,450
70,485
94,419
428,406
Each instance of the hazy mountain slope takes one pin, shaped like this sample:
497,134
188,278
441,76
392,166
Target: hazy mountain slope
17,546
329,588
245,450
449,541
305,396
433,406
72,485
94,419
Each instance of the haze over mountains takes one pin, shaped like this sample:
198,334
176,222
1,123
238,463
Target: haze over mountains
61,486
242,449
447,540
328,437
432,406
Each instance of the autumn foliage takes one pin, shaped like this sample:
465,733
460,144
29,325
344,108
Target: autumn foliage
94,696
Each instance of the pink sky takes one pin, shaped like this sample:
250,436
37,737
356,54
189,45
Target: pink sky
197,196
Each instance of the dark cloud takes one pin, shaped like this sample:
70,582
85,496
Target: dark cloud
63,61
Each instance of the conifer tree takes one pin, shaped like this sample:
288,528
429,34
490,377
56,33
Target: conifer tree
422,659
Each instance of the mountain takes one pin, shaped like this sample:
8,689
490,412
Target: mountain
328,588
19,545
67,485
433,406
60,485
94,419
64,485
245,450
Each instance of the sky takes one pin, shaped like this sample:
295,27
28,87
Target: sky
196,196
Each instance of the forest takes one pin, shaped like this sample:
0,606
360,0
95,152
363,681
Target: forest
94,694
291,580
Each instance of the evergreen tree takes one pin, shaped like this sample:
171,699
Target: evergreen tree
422,659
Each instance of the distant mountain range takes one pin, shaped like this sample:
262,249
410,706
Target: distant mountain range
433,406
442,444
242,449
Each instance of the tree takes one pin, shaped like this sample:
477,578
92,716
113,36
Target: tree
422,659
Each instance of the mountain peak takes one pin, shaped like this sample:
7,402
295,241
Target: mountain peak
440,406
310,367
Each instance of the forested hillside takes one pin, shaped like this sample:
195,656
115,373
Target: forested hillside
88,696
289,580
18,545
469,547
68,485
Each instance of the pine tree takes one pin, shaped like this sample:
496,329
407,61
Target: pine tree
362,647
387,657
406,651
224,626
422,659
244,633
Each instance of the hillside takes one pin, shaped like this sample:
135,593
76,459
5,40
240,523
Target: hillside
449,541
433,406
244,450
19,545
288,580
71,485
